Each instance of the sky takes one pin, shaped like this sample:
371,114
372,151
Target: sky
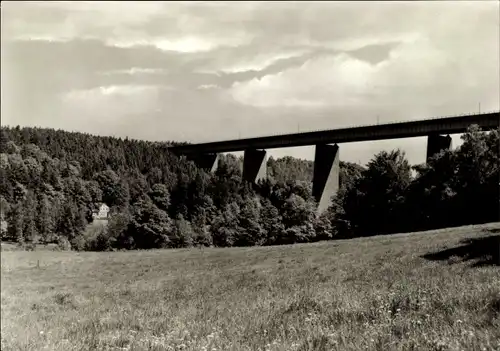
208,71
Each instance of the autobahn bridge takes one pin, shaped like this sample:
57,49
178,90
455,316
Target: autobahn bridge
326,161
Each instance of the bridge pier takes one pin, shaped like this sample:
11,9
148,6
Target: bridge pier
208,162
436,143
326,175
254,165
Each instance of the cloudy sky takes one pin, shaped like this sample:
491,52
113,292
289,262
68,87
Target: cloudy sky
199,71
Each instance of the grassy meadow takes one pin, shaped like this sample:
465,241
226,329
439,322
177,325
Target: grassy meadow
435,290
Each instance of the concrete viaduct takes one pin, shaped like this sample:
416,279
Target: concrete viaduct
326,162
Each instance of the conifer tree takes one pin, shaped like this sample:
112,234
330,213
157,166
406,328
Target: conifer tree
29,215
45,218
16,225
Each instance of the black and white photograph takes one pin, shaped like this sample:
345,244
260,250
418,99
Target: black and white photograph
250,175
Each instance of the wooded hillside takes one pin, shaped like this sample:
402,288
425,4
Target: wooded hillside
52,180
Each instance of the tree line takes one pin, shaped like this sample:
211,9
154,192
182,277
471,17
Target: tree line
52,180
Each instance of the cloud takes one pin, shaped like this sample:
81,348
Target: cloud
208,86
254,62
320,82
61,20
414,71
165,26
135,71
109,105
188,44
123,90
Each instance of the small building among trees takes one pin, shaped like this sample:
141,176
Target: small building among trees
101,212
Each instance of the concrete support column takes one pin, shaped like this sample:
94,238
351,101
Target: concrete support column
436,143
254,165
326,174
208,162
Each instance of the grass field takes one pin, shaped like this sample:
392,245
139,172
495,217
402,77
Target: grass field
425,291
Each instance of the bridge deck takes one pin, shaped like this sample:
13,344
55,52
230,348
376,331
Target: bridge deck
408,129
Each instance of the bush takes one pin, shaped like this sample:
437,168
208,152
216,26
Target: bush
102,242
94,238
30,246
63,244
117,231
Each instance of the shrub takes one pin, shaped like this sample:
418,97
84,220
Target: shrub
63,244
94,238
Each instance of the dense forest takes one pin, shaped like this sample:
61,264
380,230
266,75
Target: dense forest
52,180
